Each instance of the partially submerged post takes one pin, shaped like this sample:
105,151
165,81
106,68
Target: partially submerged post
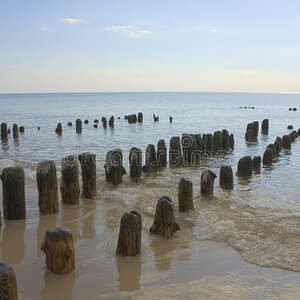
161,153
273,148
226,177
58,129
245,166
256,163
225,140
104,122
8,282
175,155
47,187
13,187
164,220
170,119
217,141
135,161
130,234
185,195
4,130
70,189
59,250
111,122
140,117
207,182
265,126
231,141
286,142
88,170
150,162
114,169
15,131
209,144
22,129
78,126
268,157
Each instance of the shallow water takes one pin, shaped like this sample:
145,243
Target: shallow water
259,218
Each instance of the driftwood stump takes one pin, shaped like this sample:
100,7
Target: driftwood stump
135,161
226,177
161,153
4,132
15,131
59,250
47,187
175,155
286,142
78,126
130,234
8,282
88,170
245,166
114,169
265,126
185,195
164,220
13,182
70,189
256,163
207,182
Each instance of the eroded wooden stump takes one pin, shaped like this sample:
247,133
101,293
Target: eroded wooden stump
104,122
135,161
88,170
226,177
209,143
114,169
245,166
161,153
78,126
273,148
130,234
8,282
164,220
231,141
286,142
265,126
70,189
268,157
111,122
256,163
13,182
140,117
15,131
217,141
59,250
59,129
150,161
185,195
4,131
225,140
47,187
207,182
22,129
175,155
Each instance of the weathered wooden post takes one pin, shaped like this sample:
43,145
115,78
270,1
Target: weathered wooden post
104,122
114,169
290,127
175,155
78,126
130,234
70,189
58,129
21,129
135,162
150,161
70,124
161,153
187,146
47,186
4,131
111,122
88,170
86,121
185,195
59,250
164,223
273,148
210,144
231,141
13,188
265,126
140,117
249,135
277,147
8,282
15,131
217,141
226,177
207,182
204,141
245,166
268,157
255,128
286,142
96,121
225,140
170,119
279,139
256,163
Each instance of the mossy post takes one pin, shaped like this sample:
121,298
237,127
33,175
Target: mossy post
88,170
59,250
13,188
130,234
15,131
161,153
47,186
245,166
164,223
207,182
135,162
175,154
8,282
265,126
69,187
286,142
4,132
226,177
78,126
185,195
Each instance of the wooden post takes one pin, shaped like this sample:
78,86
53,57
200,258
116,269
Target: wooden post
277,147
226,177
104,122
140,117
58,129
273,148
8,282
279,139
225,140
111,122
161,153
150,162
13,183
70,124
70,189
231,141
250,135
4,130
204,141
15,131
130,234
135,161
22,129
47,187
207,182
217,141
59,250
175,155
114,169
185,195
255,129
86,121
88,170
78,126
256,163
210,144
164,220
268,157
286,142
265,126
245,166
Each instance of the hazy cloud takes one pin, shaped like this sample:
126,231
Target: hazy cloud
128,30
74,21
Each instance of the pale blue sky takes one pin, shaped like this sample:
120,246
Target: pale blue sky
66,46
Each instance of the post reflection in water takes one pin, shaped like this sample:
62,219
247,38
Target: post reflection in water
12,243
54,283
129,269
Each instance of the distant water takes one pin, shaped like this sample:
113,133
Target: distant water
260,218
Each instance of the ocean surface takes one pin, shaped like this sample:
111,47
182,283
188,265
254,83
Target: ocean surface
259,218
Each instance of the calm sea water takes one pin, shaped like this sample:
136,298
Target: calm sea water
260,218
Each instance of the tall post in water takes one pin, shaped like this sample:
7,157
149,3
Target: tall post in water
175,154
265,126
245,166
114,169
225,140
4,132
88,170
226,177
78,126
135,162
140,117
161,153
185,195
150,163
15,131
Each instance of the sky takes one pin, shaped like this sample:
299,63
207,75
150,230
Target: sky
149,45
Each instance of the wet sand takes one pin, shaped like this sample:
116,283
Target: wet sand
181,267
